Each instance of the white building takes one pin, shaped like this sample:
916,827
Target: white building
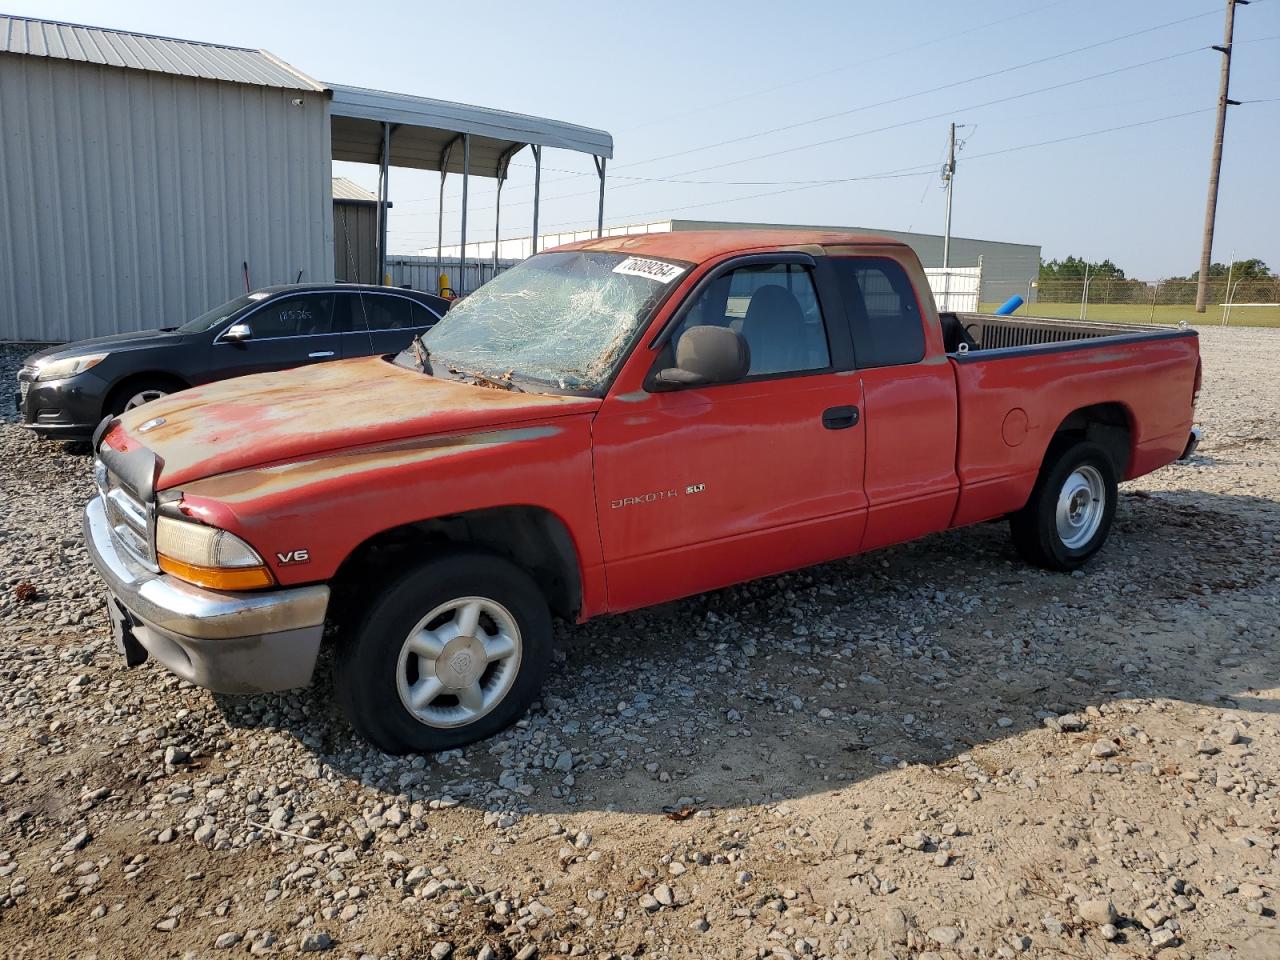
1007,268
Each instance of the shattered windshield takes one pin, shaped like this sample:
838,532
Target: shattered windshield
562,318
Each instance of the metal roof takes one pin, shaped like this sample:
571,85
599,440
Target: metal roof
344,189
141,51
424,129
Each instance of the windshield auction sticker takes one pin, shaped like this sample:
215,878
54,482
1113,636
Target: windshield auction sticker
652,269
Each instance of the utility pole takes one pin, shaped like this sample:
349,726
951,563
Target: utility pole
948,176
1215,164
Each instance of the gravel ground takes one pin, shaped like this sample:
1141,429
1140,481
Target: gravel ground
931,751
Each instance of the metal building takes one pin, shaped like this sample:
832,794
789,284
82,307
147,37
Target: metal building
140,175
145,179
1007,268
355,232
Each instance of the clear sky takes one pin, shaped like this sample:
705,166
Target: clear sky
675,78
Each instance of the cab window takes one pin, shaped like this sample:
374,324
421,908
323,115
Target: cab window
775,308
883,312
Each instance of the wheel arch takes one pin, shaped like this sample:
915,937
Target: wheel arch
133,380
533,537
1110,424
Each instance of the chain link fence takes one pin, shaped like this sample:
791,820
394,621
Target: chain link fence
1249,301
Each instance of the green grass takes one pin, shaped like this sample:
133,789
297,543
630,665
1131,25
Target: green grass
1137,313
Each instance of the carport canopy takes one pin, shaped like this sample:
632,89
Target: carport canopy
399,130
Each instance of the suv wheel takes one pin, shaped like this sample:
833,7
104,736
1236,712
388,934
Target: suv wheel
453,652
1069,514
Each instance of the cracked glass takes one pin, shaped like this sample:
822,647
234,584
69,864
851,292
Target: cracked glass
563,319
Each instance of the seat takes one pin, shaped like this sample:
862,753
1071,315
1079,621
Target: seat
774,330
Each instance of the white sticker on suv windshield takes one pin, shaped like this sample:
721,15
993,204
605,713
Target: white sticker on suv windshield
652,269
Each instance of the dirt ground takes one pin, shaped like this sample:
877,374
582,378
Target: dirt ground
930,751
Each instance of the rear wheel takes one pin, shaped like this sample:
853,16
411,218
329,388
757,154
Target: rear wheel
453,652
1069,514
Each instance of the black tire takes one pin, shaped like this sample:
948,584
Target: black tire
371,663
1037,533
122,393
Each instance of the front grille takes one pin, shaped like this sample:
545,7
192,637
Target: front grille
127,516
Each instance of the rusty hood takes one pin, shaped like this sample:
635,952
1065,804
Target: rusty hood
274,418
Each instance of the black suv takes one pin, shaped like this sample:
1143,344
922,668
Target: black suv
65,391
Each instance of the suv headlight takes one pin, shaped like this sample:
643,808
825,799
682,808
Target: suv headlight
67,367
208,557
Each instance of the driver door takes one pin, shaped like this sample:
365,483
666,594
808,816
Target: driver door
706,486
288,331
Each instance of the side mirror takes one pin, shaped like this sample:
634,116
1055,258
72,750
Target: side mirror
238,333
706,355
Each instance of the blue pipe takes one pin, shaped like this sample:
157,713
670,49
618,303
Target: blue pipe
1009,306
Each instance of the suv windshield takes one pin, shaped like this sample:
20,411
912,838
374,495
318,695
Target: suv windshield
207,321
561,318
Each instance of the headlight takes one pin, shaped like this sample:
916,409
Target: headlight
68,367
208,557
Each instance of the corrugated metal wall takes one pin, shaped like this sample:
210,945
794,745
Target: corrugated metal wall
421,273
355,242
130,199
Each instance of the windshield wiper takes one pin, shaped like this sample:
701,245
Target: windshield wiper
501,382
422,354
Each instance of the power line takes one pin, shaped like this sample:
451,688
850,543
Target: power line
1021,118
675,178
898,99
637,180
930,172
918,170
890,54
910,96
576,174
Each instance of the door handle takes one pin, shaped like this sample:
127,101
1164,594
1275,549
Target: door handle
320,354
839,418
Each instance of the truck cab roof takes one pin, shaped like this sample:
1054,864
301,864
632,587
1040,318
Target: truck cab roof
698,246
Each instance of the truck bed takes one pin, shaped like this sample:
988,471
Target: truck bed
1027,375
994,332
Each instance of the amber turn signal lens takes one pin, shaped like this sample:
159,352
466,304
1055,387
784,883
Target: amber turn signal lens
218,578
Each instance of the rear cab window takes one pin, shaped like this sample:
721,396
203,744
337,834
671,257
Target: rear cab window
887,325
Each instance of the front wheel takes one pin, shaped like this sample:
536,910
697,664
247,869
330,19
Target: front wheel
1069,514
453,652
135,393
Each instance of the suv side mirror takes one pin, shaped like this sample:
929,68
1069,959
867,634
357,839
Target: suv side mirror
706,355
238,333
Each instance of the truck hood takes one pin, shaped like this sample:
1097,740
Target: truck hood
274,418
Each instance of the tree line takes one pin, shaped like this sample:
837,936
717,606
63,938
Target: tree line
1060,281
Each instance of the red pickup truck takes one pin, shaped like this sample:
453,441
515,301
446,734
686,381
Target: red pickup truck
607,425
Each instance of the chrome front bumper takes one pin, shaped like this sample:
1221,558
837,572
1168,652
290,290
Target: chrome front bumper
227,642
